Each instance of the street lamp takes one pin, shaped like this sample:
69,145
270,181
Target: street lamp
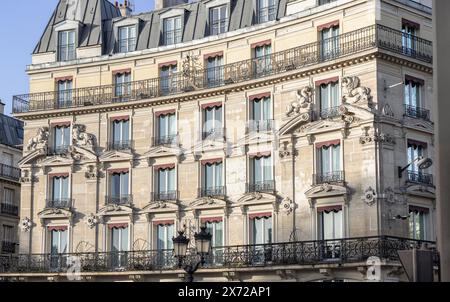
422,163
202,244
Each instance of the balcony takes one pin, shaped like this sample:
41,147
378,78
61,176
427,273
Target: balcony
123,145
9,172
331,112
361,40
60,203
10,209
58,150
124,199
212,192
165,196
420,178
167,140
335,177
260,126
266,186
213,134
339,251
417,112
8,247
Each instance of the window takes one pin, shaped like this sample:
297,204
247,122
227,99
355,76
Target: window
168,81
62,139
122,83
60,192
212,181
322,2
218,20
413,92
127,38
214,72
164,243
329,37
58,247
329,162
66,45
167,129
418,217
329,99
8,234
120,187
7,161
119,245
330,223
214,226
64,94
9,196
261,174
172,30
263,60
212,126
261,228
261,114
121,134
9,205
409,36
267,10
417,150
166,184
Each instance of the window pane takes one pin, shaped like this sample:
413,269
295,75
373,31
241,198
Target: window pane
124,183
124,239
267,230
162,180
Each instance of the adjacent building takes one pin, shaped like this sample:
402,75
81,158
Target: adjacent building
298,132
11,138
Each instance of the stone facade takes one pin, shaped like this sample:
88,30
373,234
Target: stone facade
370,126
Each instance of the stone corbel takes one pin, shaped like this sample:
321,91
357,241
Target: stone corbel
311,138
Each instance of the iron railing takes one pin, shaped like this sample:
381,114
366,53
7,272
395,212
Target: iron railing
339,251
9,172
331,112
420,178
344,45
260,126
213,134
212,192
10,209
120,145
124,199
58,150
167,140
165,196
417,112
8,247
261,186
329,177
59,203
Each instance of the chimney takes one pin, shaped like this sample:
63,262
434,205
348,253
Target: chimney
125,8
168,3
2,107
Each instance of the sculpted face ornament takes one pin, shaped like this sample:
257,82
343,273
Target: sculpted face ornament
303,102
287,205
369,196
26,224
91,220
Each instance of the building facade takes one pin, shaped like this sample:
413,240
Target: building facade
295,131
11,138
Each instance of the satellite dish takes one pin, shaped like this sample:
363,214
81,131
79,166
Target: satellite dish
424,163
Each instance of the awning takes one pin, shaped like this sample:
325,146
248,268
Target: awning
119,171
260,215
327,81
329,209
327,144
57,228
211,219
261,43
213,55
260,154
121,71
259,96
415,80
165,112
164,167
122,118
212,105
211,161
56,175
164,222
118,225
417,209
328,25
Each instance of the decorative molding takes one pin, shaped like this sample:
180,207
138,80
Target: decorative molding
288,205
370,196
353,93
40,141
91,220
303,102
81,138
26,224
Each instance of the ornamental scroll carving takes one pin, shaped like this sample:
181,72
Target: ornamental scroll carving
303,102
353,93
40,141
81,138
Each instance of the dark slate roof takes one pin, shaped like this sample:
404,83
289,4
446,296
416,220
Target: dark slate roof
91,13
11,131
243,14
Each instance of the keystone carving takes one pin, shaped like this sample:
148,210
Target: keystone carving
40,141
303,102
353,93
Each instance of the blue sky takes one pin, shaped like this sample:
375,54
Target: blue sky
21,25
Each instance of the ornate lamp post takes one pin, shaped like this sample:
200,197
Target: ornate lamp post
203,246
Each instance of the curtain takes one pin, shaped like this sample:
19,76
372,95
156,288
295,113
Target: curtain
164,236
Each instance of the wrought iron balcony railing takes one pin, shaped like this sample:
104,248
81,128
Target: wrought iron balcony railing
331,112
329,177
261,186
9,172
165,196
420,178
212,192
58,150
9,209
213,134
260,126
120,145
167,140
339,251
360,40
59,203
124,199
8,247
417,112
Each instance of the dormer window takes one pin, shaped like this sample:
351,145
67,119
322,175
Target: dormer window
66,45
218,20
266,10
127,38
172,31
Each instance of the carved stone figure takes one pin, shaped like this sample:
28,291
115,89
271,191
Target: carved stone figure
369,196
26,224
352,92
80,137
25,176
91,172
40,141
304,101
288,205
91,220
